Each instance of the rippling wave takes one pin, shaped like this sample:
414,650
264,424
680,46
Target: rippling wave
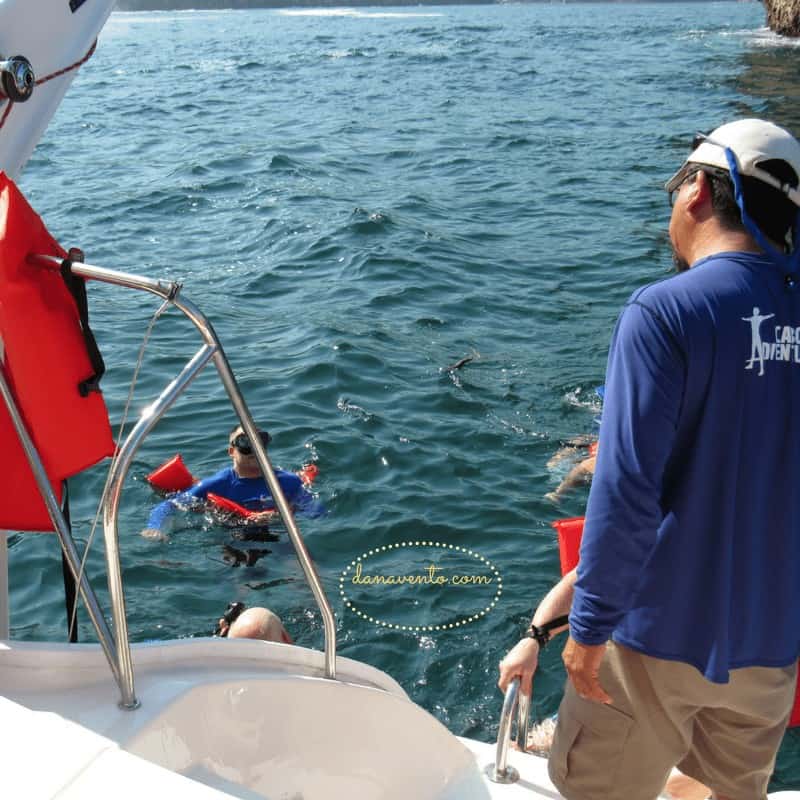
360,199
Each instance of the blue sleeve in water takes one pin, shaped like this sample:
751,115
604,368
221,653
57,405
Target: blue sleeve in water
301,500
308,505
161,513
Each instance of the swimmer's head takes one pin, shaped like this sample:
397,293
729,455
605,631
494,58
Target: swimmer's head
240,449
259,623
239,440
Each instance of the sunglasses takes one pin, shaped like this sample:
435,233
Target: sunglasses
691,168
673,186
243,444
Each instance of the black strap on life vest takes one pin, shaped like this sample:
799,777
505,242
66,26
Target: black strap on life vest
77,288
70,586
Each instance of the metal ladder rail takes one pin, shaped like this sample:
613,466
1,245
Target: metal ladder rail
500,771
211,350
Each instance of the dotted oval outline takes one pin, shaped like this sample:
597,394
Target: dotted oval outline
417,628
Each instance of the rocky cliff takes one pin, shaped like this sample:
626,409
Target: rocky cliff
783,16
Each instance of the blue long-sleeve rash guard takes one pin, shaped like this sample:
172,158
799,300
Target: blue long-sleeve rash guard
252,493
691,547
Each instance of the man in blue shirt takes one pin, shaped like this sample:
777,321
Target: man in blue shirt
242,483
685,626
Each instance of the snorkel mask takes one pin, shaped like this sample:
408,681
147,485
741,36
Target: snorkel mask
243,444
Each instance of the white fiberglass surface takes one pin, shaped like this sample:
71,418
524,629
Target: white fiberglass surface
308,738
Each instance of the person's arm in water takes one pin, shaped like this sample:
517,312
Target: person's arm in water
522,660
161,514
581,473
301,500
307,503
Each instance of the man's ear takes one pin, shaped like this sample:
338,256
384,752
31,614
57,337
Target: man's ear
698,192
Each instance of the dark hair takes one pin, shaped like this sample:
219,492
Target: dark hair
769,208
237,427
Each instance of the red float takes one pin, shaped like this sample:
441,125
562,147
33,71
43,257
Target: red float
569,541
172,476
229,505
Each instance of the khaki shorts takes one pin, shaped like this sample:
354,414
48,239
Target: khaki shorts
665,714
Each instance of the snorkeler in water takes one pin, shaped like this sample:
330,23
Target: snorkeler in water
585,449
242,483
581,473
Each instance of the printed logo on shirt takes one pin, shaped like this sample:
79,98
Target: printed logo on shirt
784,347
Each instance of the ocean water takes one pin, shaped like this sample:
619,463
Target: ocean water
359,199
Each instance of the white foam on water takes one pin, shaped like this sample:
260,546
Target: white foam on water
763,37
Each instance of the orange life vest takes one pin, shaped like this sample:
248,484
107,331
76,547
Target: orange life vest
43,357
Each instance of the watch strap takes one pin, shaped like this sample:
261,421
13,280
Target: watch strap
542,632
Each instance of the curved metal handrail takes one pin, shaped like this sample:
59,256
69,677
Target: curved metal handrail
523,721
500,771
211,350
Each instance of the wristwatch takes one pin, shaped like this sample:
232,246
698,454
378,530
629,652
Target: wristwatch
542,632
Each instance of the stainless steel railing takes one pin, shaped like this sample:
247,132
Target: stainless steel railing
61,528
500,771
117,648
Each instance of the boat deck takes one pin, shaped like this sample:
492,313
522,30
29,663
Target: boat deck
234,719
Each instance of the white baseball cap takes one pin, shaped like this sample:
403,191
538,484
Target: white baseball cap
752,141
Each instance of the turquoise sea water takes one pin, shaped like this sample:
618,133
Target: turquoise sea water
359,199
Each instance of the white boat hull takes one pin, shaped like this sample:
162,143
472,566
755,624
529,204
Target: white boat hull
52,36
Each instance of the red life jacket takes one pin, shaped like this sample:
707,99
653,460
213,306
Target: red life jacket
43,357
